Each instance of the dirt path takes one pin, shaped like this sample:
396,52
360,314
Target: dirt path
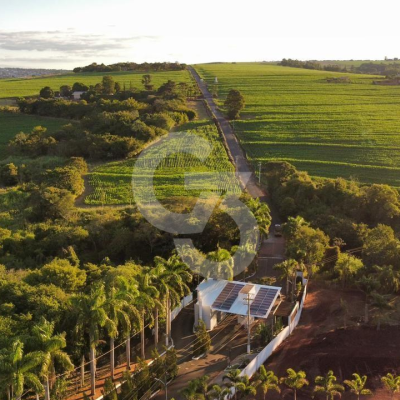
320,342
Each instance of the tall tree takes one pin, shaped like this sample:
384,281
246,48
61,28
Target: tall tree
16,370
327,386
347,267
234,379
50,346
119,307
145,303
295,381
171,279
108,85
357,385
287,271
234,103
91,315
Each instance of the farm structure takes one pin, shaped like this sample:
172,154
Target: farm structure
216,298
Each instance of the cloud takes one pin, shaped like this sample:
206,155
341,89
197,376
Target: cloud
65,42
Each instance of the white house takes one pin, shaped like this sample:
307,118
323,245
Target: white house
216,298
77,95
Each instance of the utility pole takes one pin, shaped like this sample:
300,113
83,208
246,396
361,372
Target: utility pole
259,172
248,301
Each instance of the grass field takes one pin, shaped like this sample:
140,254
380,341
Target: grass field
327,129
111,182
30,87
13,123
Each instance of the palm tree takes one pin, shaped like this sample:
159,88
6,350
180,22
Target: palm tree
220,265
327,386
234,378
91,315
247,388
218,393
50,346
16,370
267,381
392,383
262,214
190,392
357,385
120,308
145,303
172,277
288,270
294,380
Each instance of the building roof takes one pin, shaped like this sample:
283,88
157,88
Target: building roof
230,297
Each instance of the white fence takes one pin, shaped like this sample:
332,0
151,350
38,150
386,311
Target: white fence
265,353
184,302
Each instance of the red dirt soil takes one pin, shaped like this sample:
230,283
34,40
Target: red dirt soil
320,343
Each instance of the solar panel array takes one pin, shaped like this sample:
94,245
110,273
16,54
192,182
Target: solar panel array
262,302
227,297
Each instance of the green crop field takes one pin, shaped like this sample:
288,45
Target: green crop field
13,123
111,182
30,87
328,129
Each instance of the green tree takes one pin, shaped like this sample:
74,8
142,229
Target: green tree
262,214
108,85
368,284
79,87
391,383
203,340
65,91
91,315
357,385
145,303
267,381
247,388
382,306
46,93
146,81
118,307
50,345
234,103
171,277
225,264
294,380
234,380
16,370
191,391
287,269
388,278
327,386
347,267
218,393
9,174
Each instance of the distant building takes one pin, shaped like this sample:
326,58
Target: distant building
77,95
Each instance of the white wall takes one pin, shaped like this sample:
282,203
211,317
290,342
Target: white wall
263,356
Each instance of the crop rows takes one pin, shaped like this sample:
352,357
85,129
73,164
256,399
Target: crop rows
329,129
112,182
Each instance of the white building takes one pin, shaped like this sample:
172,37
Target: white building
216,298
77,95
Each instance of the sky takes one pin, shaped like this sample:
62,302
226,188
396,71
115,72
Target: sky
70,33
